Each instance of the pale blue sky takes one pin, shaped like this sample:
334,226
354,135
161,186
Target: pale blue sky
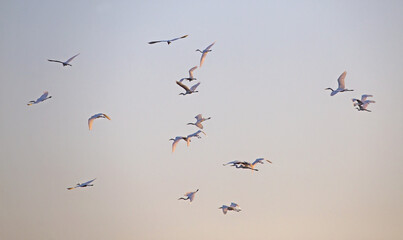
337,173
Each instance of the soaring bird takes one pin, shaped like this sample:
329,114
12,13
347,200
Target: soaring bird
342,86
247,165
176,141
199,120
189,196
232,207
167,41
98,115
358,102
364,105
86,184
190,78
66,63
40,99
188,91
204,53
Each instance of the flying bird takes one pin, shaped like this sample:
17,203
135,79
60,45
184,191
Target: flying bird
361,101
342,86
199,120
247,165
66,63
189,196
167,41
86,184
196,134
363,107
40,99
204,53
176,141
188,91
99,115
190,78
232,207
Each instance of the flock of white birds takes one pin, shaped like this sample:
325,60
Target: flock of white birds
360,104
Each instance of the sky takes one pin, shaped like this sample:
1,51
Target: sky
337,173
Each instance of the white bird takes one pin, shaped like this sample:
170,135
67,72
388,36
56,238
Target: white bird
232,207
188,91
342,86
98,115
167,41
360,102
363,107
196,134
190,78
176,141
40,99
86,184
204,53
66,63
189,196
247,165
199,120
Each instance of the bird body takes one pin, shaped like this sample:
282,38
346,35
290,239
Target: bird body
167,41
360,101
40,99
190,78
98,115
86,184
66,63
342,86
189,196
199,120
204,53
187,89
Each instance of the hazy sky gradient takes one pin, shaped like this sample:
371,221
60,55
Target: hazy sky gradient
337,173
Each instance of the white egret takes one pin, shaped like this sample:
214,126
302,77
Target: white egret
204,53
190,78
167,41
189,196
196,134
232,207
98,115
176,141
360,102
188,91
199,120
40,99
342,86
66,63
247,165
363,107
86,184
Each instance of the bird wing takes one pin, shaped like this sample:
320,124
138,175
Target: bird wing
199,125
234,205
340,80
50,60
191,71
259,160
175,143
202,58
70,59
90,122
199,117
233,162
86,183
193,88
192,196
178,38
107,116
208,48
152,42
183,86
70,188
224,209
43,97
364,97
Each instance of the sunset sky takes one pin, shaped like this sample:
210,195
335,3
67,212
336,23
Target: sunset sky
337,173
